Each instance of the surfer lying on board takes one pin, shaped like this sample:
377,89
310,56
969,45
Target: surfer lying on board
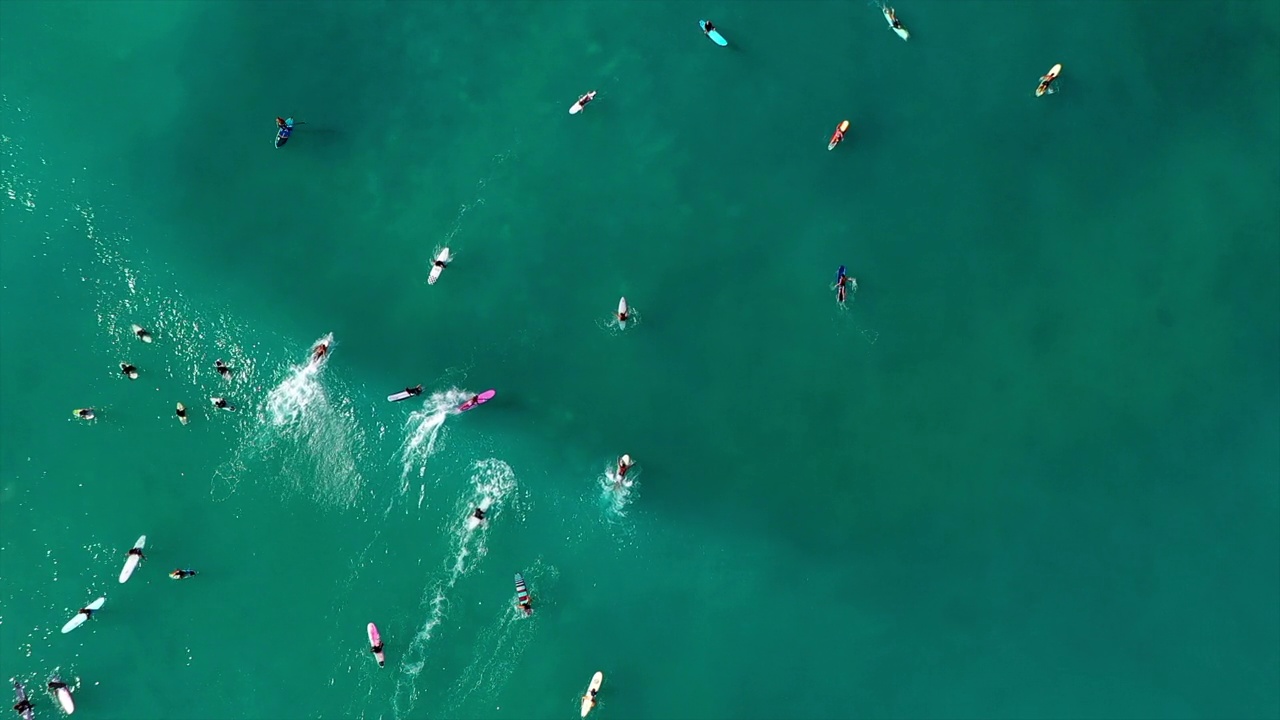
478,514
129,371
181,574
56,685
893,18
318,352
85,413
222,368
376,648
414,391
624,464
582,101
24,705
142,333
843,282
222,404
624,315
182,413
440,263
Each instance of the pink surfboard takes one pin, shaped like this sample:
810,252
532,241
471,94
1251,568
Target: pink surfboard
375,644
480,399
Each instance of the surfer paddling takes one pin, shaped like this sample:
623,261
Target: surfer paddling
85,413
181,412
843,283
223,369
142,333
181,574
478,515
523,600
1047,80
87,612
624,464
319,352
129,371
222,404
24,705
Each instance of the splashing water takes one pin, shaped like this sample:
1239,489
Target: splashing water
490,478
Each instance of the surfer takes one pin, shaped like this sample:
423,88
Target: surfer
129,371
439,263
85,413
318,352
624,464
893,18
138,552
181,412
582,101
222,404
86,612
708,28
56,685
377,648
284,128
24,705
142,333
478,514
842,283
222,368
838,136
590,697
1046,81
181,574
624,314
413,391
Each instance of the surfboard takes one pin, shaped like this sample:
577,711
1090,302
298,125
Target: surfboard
715,35
888,17
436,269
403,395
20,694
838,135
80,617
142,333
472,521
522,595
76,413
480,399
623,313
374,641
1048,79
182,413
577,107
587,700
64,697
131,562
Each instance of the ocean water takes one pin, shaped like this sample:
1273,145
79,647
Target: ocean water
1031,469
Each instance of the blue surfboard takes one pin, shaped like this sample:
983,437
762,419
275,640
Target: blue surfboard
715,35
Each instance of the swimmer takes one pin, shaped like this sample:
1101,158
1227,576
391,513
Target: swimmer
222,368
222,404
129,371
182,574
181,412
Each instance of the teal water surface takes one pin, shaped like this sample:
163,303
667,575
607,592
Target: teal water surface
1032,469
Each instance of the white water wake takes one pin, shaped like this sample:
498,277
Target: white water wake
490,478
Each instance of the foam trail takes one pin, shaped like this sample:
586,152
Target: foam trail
490,478
423,433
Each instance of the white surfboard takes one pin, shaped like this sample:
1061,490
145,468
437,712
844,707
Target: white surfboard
623,311
142,334
131,562
64,697
472,522
1052,75
577,106
436,269
888,17
80,617
588,702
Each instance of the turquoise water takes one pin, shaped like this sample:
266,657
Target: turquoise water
1031,470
